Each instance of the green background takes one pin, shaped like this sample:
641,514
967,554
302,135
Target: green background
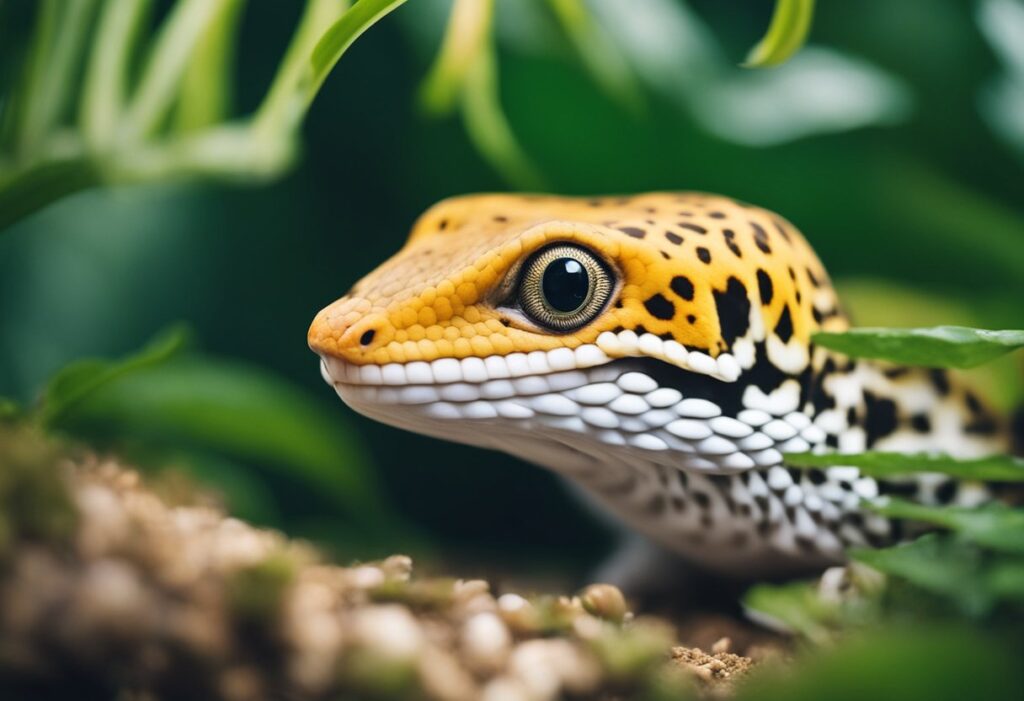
916,213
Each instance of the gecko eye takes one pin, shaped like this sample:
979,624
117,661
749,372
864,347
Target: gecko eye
564,287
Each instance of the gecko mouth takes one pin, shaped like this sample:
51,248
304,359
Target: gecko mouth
590,406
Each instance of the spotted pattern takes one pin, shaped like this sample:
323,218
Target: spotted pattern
673,406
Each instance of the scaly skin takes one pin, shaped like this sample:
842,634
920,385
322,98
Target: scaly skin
672,406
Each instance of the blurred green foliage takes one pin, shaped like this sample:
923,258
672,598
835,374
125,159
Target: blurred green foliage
882,140
895,141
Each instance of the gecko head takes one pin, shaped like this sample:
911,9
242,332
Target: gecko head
576,328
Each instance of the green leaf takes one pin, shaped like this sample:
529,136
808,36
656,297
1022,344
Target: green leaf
938,346
994,468
599,53
206,87
795,606
244,413
787,32
164,67
924,663
488,126
466,38
940,565
78,381
336,40
994,526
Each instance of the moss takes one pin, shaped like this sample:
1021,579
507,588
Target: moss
34,499
255,592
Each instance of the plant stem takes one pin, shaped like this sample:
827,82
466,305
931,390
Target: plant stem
206,86
159,83
34,187
282,106
465,39
107,74
489,129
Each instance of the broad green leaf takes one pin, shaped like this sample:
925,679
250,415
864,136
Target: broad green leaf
928,662
77,381
993,526
787,32
246,414
795,606
940,565
995,468
938,346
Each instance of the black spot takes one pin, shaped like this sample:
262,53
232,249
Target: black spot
946,492
984,425
940,380
367,337
819,396
704,254
897,489
973,403
660,308
692,227
760,237
691,318
665,255
673,237
896,372
716,215
782,230
656,504
730,241
633,231
618,303
764,285
816,476
733,308
682,286
500,218
880,417
640,329
851,417
814,280
443,224
784,329
921,423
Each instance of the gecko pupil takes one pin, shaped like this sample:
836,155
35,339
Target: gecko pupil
565,284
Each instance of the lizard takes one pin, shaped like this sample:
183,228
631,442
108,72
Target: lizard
655,350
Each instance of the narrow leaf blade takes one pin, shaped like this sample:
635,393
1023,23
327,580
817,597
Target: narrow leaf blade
787,32
938,346
994,468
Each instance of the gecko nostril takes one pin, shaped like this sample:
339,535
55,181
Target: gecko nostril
367,337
